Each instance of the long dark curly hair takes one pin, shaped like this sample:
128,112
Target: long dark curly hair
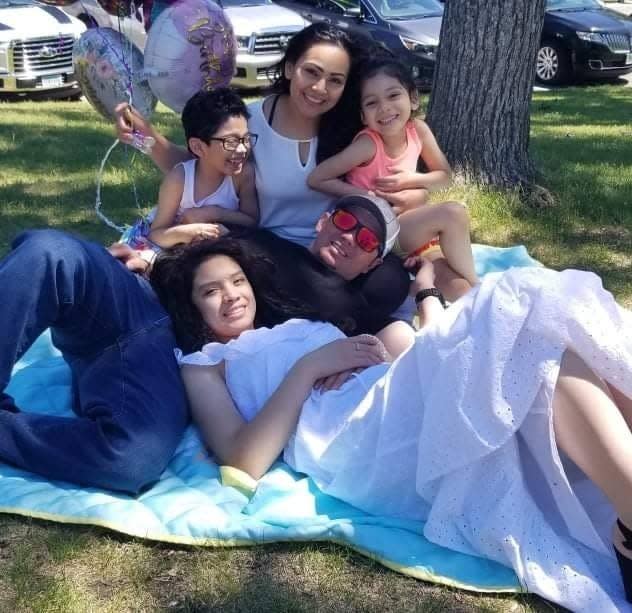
339,125
172,279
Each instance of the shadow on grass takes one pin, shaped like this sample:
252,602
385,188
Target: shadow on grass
573,106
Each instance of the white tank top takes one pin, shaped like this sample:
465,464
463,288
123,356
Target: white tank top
224,196
287,206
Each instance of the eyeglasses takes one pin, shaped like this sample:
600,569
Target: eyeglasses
365,238
230,143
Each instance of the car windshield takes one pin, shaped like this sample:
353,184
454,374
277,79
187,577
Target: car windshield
9,3
571,5
233,3
407,9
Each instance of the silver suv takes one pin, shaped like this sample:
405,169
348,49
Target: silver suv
36,43
261,27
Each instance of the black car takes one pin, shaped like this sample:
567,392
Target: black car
409,28
582,39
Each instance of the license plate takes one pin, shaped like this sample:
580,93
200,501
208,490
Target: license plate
53,81
628,58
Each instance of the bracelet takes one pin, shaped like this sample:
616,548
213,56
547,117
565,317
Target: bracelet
421,295
148,255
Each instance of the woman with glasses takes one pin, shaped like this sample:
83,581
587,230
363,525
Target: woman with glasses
478,430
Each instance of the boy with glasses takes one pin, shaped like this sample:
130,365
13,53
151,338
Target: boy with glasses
218,178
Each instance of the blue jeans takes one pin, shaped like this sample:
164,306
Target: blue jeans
129,399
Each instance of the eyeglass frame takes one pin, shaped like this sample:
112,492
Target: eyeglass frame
248,142
356,229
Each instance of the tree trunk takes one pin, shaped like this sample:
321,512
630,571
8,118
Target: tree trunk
479,105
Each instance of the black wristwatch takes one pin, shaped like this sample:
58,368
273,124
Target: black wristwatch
431,291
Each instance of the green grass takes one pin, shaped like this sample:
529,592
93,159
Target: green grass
49,156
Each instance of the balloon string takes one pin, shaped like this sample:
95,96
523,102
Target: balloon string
129,66
97,204
128,69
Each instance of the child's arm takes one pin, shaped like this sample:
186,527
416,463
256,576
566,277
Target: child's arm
164,153
439,173
326,176
248,213
163,232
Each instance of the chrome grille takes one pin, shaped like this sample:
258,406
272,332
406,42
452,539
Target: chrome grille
265,72
271,43
42,55
617,43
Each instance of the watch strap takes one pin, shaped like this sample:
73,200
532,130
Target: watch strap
422,294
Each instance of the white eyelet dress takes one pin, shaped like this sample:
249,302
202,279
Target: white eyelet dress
458,431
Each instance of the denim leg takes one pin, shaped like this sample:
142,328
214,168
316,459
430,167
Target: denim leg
118,341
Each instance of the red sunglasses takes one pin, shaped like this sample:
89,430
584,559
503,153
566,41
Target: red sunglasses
365,238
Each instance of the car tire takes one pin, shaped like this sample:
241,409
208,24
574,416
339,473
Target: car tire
552,64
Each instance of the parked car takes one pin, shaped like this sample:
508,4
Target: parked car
261,27
93,15
36,49
263,30
409,28
582,38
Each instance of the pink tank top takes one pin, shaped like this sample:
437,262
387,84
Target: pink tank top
364,176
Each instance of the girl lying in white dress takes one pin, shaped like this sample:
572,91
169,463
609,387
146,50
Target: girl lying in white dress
478,429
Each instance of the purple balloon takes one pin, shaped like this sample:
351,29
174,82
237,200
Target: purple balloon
191,46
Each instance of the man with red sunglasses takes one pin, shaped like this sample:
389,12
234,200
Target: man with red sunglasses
347,273
356,236
106,321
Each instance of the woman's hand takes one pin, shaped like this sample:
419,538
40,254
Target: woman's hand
343,356
424,272
335,382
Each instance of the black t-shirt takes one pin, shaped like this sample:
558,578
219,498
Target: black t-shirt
363,305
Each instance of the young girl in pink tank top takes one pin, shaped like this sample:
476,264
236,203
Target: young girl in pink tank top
383,158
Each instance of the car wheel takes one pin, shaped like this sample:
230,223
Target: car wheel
552,64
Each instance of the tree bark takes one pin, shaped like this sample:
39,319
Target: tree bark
481,93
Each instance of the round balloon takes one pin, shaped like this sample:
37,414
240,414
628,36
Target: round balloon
190,46
58,2
120,8
109,70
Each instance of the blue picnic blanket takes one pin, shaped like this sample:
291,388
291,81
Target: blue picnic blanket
197,502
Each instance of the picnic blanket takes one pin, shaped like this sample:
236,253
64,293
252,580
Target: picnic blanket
199,503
